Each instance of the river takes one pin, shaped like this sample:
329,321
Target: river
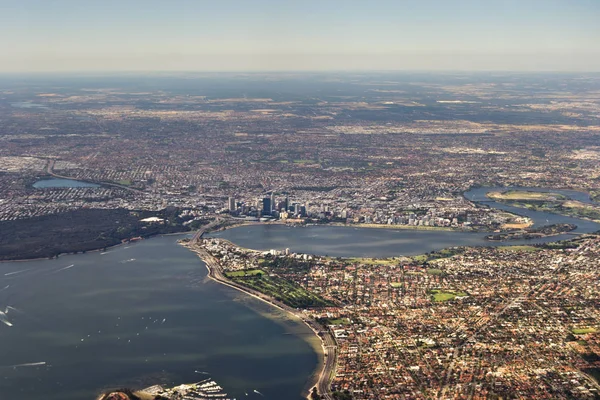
342,241
138,315
145,313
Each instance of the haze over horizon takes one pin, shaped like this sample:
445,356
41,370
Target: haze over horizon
266,35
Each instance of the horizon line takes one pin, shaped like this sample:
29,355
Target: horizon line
292,71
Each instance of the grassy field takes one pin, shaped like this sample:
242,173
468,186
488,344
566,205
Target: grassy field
583,331
569,208
548,202
434,255
439,295
582,209
244,273
519,248
282,290
371,261
434,271
524,195
338,321
421,258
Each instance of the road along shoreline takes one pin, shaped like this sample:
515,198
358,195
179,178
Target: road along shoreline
328,347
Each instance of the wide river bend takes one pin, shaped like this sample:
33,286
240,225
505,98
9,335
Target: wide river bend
145,313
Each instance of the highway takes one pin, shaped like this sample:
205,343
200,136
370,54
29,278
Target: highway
198,235
329,367
327,341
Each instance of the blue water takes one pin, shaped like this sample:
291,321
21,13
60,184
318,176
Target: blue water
63,183
97,319
341,241
539,218
139,315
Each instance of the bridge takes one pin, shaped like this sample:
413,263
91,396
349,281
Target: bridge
198,235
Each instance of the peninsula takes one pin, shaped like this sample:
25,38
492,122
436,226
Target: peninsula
279,297
411,311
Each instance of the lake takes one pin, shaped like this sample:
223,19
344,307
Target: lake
28,105
62,183
139,315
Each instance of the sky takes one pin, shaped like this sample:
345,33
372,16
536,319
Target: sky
299,35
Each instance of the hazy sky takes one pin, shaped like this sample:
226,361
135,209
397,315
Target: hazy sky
198,35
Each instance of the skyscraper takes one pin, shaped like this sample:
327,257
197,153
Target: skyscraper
273,204
232,205
266,206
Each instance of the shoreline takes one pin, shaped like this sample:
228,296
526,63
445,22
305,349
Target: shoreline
240,223
321,375
511,203
340,224
107,248
399,227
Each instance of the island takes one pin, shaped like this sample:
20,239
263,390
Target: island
550,202
533,233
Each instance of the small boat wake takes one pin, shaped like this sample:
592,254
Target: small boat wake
4,315
34,364
17,272
65,268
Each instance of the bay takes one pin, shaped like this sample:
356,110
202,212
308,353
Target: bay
139,315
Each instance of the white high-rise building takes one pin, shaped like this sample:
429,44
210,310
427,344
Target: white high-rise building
273,205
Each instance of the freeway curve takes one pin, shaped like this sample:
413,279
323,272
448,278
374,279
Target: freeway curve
200,232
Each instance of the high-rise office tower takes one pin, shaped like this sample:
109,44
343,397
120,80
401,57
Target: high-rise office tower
266,206
273,204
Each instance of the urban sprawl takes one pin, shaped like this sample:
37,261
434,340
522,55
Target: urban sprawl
377,150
